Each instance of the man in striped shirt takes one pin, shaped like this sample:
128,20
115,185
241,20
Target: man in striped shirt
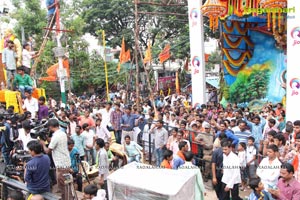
241,132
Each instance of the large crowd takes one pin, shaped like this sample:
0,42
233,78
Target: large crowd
236,148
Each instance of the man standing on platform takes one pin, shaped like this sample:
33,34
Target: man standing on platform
23,81
9,57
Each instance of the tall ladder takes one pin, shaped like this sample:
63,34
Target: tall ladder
41,50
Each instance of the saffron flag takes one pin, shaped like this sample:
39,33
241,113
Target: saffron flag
51,71
124,55
148,56
165,54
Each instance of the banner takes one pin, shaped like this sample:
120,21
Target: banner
293,69
197,52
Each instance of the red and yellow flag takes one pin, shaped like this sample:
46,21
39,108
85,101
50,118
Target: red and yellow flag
148,56
165,54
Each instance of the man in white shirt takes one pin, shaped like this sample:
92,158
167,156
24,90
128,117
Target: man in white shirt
103,164
24,134
31,104
105,114
146,108
174,145
102,132
89,136
60,154
250,158
27,55
231,173
269,168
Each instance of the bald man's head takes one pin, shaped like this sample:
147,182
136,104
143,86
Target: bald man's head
37,197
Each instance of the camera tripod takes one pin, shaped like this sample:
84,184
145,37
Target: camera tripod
69,188
83,168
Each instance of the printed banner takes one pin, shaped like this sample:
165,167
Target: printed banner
293,68
197,52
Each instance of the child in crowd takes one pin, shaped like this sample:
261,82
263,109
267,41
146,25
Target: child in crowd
242,158
258,192
168,157
91,192
251,158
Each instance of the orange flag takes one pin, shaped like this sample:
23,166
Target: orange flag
165,54
148,56
124,55
51,71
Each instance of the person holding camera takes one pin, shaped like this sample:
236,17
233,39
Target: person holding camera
37,169
59,148
5,142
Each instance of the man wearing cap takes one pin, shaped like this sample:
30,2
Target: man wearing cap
128,123
206,141
23,81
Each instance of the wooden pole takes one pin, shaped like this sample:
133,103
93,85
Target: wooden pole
136,38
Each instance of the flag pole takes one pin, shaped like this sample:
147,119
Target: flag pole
105,65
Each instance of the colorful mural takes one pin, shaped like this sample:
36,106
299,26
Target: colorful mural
254,68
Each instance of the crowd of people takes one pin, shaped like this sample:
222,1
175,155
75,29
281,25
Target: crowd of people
234,147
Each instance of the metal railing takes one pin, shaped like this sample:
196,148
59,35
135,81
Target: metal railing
149,145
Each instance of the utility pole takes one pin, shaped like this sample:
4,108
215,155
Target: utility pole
60,52
136,38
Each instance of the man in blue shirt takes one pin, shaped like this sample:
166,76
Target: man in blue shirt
228,133
79,141
256,128
51,7
128,122
75,159
37,169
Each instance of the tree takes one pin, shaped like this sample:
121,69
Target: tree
31,17
213,59
250,85
116,17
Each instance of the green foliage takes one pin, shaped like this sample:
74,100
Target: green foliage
31,17
116,17
248,87
214,58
